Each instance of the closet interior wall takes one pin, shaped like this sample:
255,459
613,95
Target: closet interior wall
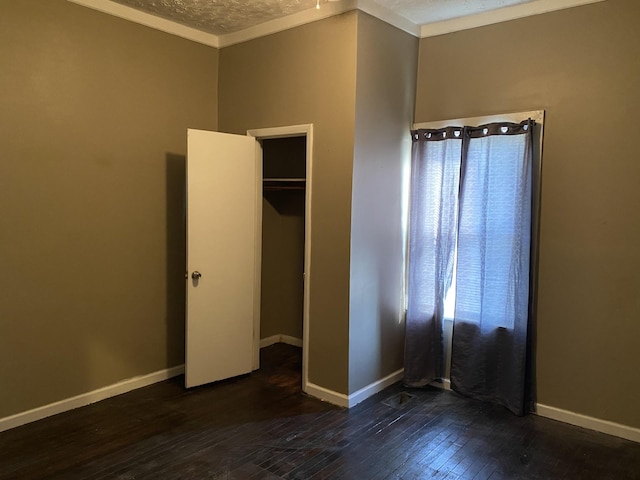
283,230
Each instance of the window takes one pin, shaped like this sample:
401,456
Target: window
472,255
495,200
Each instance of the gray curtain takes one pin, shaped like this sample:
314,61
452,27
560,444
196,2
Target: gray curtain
490,332
435,173
483,175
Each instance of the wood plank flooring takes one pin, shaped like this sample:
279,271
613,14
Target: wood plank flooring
261,426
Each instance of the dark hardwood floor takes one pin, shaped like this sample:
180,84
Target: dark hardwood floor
262,427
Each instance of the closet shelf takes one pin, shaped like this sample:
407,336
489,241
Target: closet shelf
270,184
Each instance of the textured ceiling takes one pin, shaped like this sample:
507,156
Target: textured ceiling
429,11
220,16
226,16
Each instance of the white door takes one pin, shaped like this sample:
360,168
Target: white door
222,254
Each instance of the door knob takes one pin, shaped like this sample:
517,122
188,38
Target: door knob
196,275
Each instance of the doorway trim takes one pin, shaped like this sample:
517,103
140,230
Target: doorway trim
304,130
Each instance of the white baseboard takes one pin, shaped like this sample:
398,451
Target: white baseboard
597,424
603,426
356,397
87,398
327,395
289,340
375,387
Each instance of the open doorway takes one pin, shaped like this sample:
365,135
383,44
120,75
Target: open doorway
285,241
282,272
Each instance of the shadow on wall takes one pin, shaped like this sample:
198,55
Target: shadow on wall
176,256
287,202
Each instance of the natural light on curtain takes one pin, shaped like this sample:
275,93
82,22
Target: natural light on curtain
494,229
470,238
435,177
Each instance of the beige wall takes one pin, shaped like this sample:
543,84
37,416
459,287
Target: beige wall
298,76
582,66
281,299
94,112
385,96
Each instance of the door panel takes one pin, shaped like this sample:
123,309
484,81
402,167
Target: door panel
221,245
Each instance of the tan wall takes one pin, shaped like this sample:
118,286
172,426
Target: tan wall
582,66
94,112
385,96
298,76
281,301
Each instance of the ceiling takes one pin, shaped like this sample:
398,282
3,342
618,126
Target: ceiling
220,17
422,12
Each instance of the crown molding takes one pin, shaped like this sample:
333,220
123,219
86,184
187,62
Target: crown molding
497,16
330,9
152,21
279,24
382,13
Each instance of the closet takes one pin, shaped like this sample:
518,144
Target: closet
283,240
